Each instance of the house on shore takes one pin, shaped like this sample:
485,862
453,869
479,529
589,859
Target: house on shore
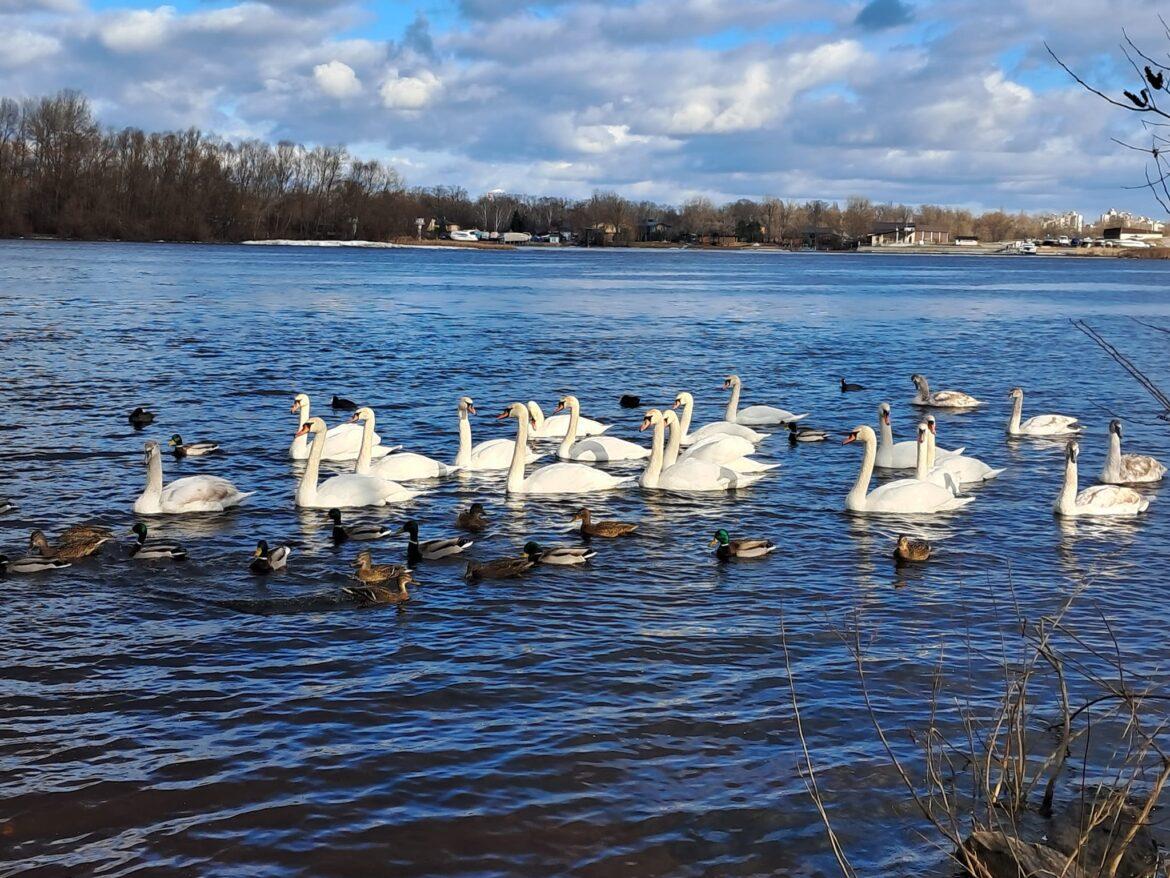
907,234
1130,233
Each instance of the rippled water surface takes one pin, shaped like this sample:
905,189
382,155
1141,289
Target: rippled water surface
631,718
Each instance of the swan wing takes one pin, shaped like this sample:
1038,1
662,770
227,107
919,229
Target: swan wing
1111,500
1141,468
1050,425
351,489
913,497
407,465
766,414
570,478
701,475
607,448
954,399
200,494
720,448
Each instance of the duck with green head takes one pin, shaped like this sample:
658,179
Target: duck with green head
268,560
729,548
191,449
154,550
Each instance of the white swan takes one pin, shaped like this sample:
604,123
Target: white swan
346,490
403,466
722,449
1097,500
687,402
753,415
556,478
556,426
943,399
904,454
1038,425
963,470
188,494
488,455
342,442
686,475
593,449
901,497
1128,469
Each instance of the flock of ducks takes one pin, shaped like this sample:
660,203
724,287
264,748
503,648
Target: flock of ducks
716,456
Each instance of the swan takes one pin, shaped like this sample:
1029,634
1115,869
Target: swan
1038,425
943,399
555,426
686,475
753,414
400,467
722,449
342,442
188,494
556,478
492,454
963,470
1097,500
900,455
901,497
346,490
687,403
1128,469
593,449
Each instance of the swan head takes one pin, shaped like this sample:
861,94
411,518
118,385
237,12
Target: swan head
301,400
731,381
567,402
313,425
932,424
683,400
149,451
1115,427
670,418
884,413
466,404
862,433
650,419
518,410
1016,393
1072,451
923,429
918,380
363,414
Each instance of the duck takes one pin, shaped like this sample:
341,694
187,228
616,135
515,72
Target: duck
593,449
266,560
943,399
555,426
558,555
188,494
1128,469
900,497
555,478
1038,425
753,415
500,568
797,433
342,442
74,549
193,449
76,532
729,548
369,573
492,454
686,402
31,564
606,529
342,404
140,418
846,387
373,594
431,550
629,401
904,454
141,550
1099,500
404,466
908,550
347,489
472,518
343,533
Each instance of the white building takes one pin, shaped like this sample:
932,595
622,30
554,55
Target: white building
1123,218
1070,221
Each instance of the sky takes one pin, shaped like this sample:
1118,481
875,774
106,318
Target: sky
951,102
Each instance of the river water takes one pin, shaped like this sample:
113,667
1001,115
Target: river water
631,718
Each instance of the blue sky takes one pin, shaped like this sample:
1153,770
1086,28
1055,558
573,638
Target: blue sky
945,102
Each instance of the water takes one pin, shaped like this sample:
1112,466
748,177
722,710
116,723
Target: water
630,718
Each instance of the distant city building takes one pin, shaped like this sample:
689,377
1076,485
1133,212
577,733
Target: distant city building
1114,218
1072,221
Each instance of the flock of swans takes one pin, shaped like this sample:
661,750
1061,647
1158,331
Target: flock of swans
713,457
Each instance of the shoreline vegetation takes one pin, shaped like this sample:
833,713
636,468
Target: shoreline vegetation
63,175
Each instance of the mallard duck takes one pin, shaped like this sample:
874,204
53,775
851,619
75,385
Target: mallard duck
342,533
911,550
191,449
729,548
500,568
560,555
343,404
591,528
266,560
846,387
431,550
71,547
369,573
629,401
76,532
373,595
31,564
472,519
140,418
797,433
144,551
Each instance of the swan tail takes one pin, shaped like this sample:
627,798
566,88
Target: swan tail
994,473
796,418
957,503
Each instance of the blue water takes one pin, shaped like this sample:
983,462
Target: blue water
631,718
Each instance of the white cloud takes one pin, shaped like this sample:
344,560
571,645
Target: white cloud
20,47
337,79
409,92
138,30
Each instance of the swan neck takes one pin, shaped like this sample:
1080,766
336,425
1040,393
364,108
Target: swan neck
516,468
571,433
856,498
931,450
154,476
303,414
463,457
732,404
1017,411
1068,492
654,464
307,490
670,455
1113,456
887,432
922,460
684,422
362,467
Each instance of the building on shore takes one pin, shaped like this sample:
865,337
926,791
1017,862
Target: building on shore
1070,221
908,233
1130,233
1114,218
966,241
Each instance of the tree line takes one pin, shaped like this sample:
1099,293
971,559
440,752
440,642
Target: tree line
63,174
